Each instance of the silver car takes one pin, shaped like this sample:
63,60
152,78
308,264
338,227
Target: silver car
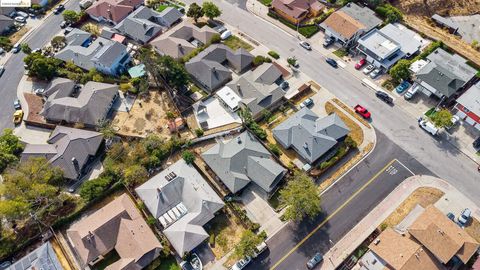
368,69
375,73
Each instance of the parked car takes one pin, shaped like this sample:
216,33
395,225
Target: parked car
374,74
2,51
220,28
402,87
331,62
305,45
314,261
193,263
37,50
39,91
260,249
17,117
242,263
428,126
384,96
328,41
306,103
362,111
5,265
64,24
465,216
476,143
16,48
284,85
368,69
2,70
67,30
17,105
360,63
451,216
20,19
226,34
22,14
411,92
58,9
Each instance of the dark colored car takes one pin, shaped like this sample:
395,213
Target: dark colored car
331,62
384,96
451,216
476,143
59,9
314,261
328,41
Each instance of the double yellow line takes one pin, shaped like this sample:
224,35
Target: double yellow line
332,215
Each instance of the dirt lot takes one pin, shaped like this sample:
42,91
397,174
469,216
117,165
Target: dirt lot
423,196
417,13
147,116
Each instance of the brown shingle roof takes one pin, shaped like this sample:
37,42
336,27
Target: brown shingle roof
120,226
297,8
402,253
442,236
343,24
114,10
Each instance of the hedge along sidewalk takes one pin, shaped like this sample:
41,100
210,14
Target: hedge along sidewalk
305,30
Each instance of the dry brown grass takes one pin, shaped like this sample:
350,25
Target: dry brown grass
228,231
60,255
474,229
351,112
347,166
355,130
15,37
423,196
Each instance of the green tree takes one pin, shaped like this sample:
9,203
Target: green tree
195,12
44,68
211,10
301,197
71,16
58,41
5,43
94,188
442,118
10,148
247,245
174,73
25,48
188,156
400,70
390,13
135,174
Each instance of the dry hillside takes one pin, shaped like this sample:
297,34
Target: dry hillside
417,14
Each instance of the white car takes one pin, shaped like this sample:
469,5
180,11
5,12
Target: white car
306,103
226,34
428,126
411,92
242,263
375,73
20,19
305,45
368,69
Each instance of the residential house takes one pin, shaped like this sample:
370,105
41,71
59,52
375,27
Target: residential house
211,67
442,237
384,47
212,113
7,11
116,227
70,149
392,250
243,160
181,199
295,11
257,90
183,38
72,103
112,11
6,24
44,257
446,22
87,52
444,75
349,23
468,106
310,136
144,24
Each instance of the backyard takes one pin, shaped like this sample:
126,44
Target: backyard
235,43
226,230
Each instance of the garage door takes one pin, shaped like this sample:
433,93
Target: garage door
470,121
460,114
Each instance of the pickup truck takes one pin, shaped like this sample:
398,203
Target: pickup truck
362,111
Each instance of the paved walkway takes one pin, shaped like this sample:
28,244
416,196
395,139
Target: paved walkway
359,233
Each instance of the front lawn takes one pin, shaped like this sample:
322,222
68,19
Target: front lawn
236,43
340,52
168,263
308,30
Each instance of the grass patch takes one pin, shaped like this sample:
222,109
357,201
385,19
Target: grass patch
266,2
161,8
235,43
274,201
308,30
227,231
356,132
423,196
168,263
389,84
340,52
430,112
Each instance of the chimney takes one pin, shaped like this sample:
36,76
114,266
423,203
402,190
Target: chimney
239,140
214,70
144,25
305,145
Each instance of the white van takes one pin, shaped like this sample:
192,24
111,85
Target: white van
428,126
226,34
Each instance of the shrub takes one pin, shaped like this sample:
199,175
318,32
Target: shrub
274,54
151,220
94,188
188,156
258,60
199,132
263,235
324,16
215,39
308,30
254,226
390,13
211,240
274,149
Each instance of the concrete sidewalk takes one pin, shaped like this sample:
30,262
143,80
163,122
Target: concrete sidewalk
341,250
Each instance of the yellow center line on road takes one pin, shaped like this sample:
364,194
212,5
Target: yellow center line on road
333,214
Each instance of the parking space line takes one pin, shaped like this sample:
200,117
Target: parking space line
410,171
333,214
341,64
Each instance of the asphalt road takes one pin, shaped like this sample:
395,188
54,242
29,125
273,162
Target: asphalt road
436,154
14,67
344,205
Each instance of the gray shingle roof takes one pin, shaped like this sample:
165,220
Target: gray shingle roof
177,42
65,144
169,16
243,160
5,23
211,60
86,52
445,72
364,15
43,258
309,135
89,107
188,187
471,99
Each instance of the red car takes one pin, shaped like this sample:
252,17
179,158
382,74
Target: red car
360,63
362,111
